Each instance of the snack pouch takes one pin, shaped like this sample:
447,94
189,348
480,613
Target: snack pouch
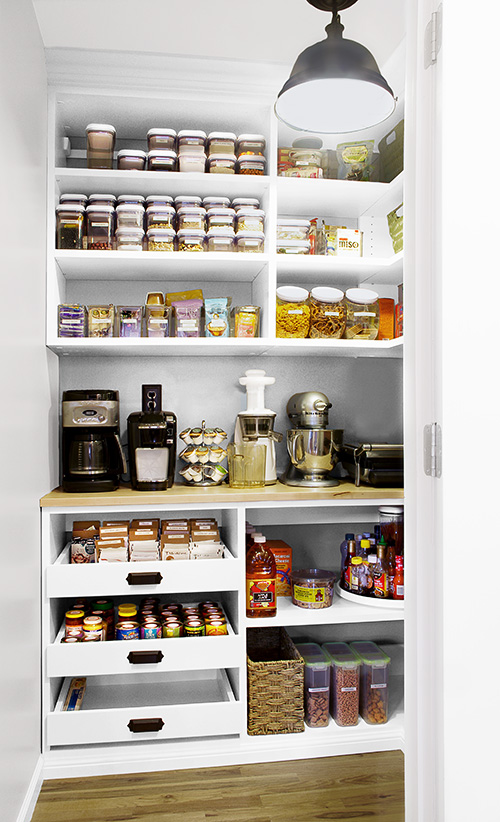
217,317
354,160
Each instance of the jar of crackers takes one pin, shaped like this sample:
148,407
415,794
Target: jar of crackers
327,313
292,311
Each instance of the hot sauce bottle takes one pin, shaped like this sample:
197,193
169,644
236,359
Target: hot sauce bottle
260,579
380,581
399,579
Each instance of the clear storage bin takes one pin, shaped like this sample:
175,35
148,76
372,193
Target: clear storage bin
292,312
160,216
162,160
254,164
191,218
250,241
100,225
374,690
189,140
159,200
250,219
216,202
221,142
289,229
157,320
245,321
221,240
190,239
192,163
74,199
220,218
293,247
101,320
344,682
250,144
161,139
131,199
70,226
72,320
362,314
101,139
128,320
129,215
316,684
131,160
187,318
327,313
102,199
245,202
160,239
222,164
129,239
187,201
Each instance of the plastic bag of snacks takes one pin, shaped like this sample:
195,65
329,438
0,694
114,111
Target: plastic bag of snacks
355,159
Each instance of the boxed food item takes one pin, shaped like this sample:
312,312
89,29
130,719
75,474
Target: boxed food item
174,545
386,319
76,692
143,544
82,546
285,161
112,550
349,242
331,238
282,553
374,694
344,682
316,684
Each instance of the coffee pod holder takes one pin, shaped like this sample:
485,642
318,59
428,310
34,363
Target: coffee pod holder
200,467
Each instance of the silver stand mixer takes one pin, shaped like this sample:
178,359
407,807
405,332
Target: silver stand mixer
257,422
313,448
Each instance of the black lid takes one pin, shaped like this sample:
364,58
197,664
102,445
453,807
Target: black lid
74,395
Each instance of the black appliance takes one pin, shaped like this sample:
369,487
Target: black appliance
378,464
152,434
92,457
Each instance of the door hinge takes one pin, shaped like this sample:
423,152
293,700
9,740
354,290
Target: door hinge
433,455
433,37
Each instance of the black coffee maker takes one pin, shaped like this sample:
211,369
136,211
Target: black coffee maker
152,436
92,456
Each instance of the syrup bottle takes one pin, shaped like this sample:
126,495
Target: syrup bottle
260,579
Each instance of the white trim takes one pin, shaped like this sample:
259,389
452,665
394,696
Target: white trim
31,797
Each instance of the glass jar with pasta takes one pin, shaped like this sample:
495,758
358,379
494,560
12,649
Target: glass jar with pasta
292,312
327,313
362,314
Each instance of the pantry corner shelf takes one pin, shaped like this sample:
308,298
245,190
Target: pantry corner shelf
300,269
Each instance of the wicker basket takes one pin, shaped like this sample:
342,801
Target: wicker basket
275,683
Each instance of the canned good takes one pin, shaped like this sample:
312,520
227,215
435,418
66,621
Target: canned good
74,633
127,629
93,627
194,628
327,313
292,312
172,628
362,314
71,639
215,628
151,629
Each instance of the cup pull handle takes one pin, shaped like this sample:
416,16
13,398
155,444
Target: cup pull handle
145,657
144,726
145,578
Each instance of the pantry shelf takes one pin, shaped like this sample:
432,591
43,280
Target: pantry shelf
330,270
340,612
298,197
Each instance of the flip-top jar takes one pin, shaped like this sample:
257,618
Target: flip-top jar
161,239
131,160
250,144
327,313
245,202
162,160
192,163
129,239
362,314
70,226
252,164
250,219
220,218
221,164
129,215
160,216
102,199
191,218
161,139
292,312
100,222
221,142
101,139
250,241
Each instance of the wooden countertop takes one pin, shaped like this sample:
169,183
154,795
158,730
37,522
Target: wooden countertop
186,494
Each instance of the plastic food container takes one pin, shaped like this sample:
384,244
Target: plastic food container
221,142
316,684
293,247
292,311
187,201
306,163
250,219
74,199
161,239
191,217
101,139
164,160
220,218
131,160
312,588
327,313
129,215
250,241
160,216
129,239
131,199
250,144
100,220
187,316
374,693
362,314
72,320
192,163
288,229
216,202
187,139
221,163
70,226
157,320
245,202
221,239
391,518
128,319
101,320
252,164
162,139
190,239
159,200
245,321
344,682
102,199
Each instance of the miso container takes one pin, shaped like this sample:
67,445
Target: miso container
292,312
101,320
327,313
374,694
316,684
128,320
101,140
162,139
221,142
162,160
70,226
129,215
157,320
362,314
161,239
344,682
131,160
100,225
250,144
160,216
129,239
250,241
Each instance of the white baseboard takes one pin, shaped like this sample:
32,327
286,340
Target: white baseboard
30,799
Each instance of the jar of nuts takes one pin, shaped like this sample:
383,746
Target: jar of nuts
327,313
344,682
374,695
316,684
292,312
362,314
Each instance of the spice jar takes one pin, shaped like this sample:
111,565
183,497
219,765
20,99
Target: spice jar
160,216
306,163
327,313
250,219
190,239
344,682
128,319
250,241
161,139
191,141
374,690
157,320
161,239
100,221
131,160
252,164
220,239
70,226
245,321
362,314
100,320
162,160
220,218
129,239
191,217
221,142
221,164
192,163
216,202
316,684
129,215
250,144
292,312
100,145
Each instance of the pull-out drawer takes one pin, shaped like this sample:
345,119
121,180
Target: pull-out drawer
116,578
144,708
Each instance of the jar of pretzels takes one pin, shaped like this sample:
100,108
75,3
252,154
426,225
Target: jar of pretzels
327,313
292,311
362,314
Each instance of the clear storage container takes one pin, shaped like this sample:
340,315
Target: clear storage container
289,229
128,320
220,239
221,164
312,588
292,311
160,216
72,320
192,163
221,142
327,313
100,225
250,144
101,139
250,241
316,684
129,239
190,239
250,219
189,139
191,217
162,139
216,202
293,247
362,314
344,682
101,320
131,199
245,321
245,202
131,160
187,317
75,199
306,163
129,215
161,239
187,201
254,164
162,160
159,200
220,218
157,320
70,226
374,690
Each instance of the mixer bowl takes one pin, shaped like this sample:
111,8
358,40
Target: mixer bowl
314,452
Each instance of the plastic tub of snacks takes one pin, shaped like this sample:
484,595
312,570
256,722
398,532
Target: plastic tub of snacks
312,588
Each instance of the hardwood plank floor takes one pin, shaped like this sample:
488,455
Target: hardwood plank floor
359,788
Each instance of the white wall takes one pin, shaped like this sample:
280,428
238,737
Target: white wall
27,371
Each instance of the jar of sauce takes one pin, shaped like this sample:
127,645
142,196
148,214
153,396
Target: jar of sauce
93,627
74,619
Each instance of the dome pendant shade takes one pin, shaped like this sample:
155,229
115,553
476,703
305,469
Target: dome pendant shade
335,87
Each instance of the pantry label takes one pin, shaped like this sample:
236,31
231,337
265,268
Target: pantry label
261,594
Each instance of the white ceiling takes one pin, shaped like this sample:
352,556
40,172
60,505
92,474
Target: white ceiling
273,31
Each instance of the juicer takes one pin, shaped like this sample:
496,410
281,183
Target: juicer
313,448
256,424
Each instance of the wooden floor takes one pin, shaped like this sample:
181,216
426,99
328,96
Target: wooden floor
359,788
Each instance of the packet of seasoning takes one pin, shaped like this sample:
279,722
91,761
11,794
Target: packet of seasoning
355,159
217,317
188,317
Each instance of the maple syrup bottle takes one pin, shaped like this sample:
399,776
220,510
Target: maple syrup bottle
260,579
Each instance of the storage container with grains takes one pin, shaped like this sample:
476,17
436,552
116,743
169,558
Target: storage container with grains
190,239
162,160
250,219
316,684
101,139
374,686
221,164
192,163
189,139
254,164
312,588
362,314
292,312
220,218
221,142
130,215
70,226
160,216
161,239
221,240
100,225
250,241
250,144
162,139
191,218
327,313
293,247
344,682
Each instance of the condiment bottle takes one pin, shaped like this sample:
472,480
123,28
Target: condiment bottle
391,569
355,575
380,587
346,568
260,579
399,579
364,547
343,553
74,619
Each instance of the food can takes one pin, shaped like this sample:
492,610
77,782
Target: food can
151,629
127,629
172,628
215,628
194,627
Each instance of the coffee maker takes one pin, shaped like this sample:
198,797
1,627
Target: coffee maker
313,448
257,422
92,456
152,435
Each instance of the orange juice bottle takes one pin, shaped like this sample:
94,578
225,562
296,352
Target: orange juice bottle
260,579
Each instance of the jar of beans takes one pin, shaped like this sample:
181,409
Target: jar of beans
327,313
292,311
362,314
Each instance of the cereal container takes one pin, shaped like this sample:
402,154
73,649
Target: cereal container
292,311
162,139
131,160
316,684
362,314
70,226
100,223
100,144
327,313
344,682
312,588
374,695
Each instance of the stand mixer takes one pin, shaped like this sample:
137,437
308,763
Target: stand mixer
313,448
257,422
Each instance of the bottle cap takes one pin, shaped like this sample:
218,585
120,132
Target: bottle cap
349,536
356,561
365,543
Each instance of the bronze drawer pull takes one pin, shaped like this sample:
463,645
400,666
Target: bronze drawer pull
144,726
145,578
144,657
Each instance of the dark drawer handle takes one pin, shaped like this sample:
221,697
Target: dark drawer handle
146,578
145,726
144,657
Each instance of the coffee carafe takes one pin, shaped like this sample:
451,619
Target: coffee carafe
313,448
92,456
256,424
152,435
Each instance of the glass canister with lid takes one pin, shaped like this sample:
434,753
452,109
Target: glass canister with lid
327,313
362,314
70,226
292,312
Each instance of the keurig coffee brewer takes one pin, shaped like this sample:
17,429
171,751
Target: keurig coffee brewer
92,457
152,435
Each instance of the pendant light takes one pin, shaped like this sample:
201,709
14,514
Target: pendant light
335,86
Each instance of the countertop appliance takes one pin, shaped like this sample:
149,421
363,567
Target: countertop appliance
92,456
152,435
378,464
257,422
313,448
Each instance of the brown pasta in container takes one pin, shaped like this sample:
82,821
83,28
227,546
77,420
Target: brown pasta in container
327,313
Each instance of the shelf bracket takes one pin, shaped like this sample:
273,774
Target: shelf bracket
433,37
433,459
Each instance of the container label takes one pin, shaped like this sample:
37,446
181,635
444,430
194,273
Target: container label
261,594
377,686
302,594
349,690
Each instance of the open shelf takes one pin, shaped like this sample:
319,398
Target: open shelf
341,611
